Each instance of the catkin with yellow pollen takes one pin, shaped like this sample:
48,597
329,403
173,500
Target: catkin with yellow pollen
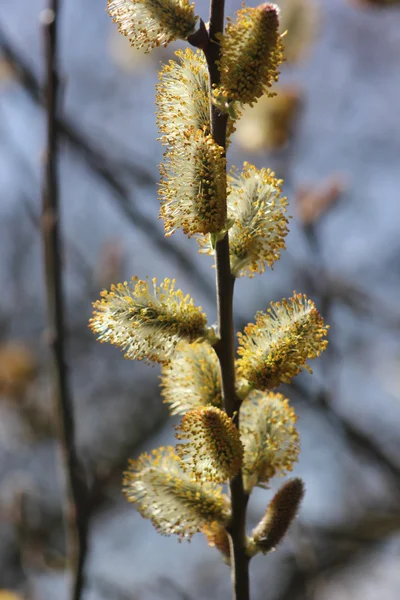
193,186
147,320
175,503
214,451
276,347
191,379
183,97
269,437
152,23
251,51
257,218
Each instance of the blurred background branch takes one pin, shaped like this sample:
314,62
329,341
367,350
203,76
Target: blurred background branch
76,516
111,174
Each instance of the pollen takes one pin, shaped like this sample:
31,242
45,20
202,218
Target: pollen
191,379
152,23
276,347
269,436
183,97
251,51
147,320
214,451
175,503
257,218
193,185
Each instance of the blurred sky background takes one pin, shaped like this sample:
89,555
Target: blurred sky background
333,135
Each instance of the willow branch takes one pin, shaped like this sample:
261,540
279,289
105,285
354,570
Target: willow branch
225,347
75,513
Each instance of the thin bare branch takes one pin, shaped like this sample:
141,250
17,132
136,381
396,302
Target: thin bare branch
75,513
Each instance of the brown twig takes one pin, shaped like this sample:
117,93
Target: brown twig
225,347
75,509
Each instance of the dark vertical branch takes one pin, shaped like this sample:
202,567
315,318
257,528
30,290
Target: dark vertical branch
225,347
75,501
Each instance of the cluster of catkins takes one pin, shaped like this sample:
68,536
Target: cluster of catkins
179,488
